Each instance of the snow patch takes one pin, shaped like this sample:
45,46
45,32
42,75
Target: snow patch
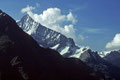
58,36
65,50
105,53
0,13
55,47
33,29
17,21
79,52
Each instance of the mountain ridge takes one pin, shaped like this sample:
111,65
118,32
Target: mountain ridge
68,48
21,58
49,38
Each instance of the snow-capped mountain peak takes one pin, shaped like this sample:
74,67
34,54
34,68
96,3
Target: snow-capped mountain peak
46,37
28,24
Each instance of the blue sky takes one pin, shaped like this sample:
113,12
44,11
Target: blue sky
98,21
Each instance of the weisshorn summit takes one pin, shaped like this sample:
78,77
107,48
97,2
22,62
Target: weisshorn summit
21,58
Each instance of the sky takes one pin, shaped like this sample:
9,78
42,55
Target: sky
93,23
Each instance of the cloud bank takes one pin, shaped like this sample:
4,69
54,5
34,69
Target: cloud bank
54,19
115,43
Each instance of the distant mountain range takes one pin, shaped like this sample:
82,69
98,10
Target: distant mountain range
113,57
48,38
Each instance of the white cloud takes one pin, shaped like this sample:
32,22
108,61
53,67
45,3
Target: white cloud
27,9
37,5
92,30
80,38
115,43
54,19
70,17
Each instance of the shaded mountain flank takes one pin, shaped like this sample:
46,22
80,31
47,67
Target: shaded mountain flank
113,57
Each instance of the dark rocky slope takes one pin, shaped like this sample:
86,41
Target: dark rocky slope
113,57
104,67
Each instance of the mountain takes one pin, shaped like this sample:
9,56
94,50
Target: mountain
21,58
48,38
107,69
113,57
